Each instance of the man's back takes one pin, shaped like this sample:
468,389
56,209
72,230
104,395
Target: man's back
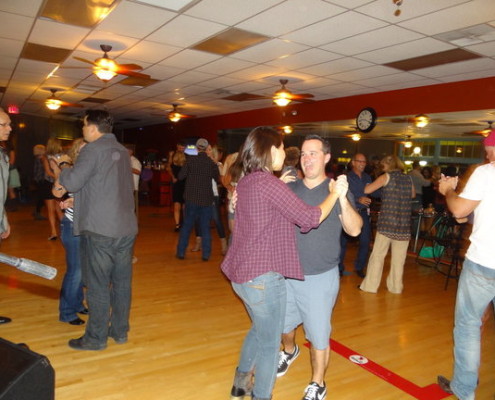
199,171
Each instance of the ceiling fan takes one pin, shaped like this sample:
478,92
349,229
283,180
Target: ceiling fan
174,115
54,103
281,97
482,132
420,120
105,68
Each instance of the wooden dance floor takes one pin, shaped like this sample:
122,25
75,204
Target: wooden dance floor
187,327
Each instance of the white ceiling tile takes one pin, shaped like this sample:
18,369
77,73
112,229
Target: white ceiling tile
150,52
11,48
461,16
348,3
269,50
221,82
225,65
185,31
189,59
336,66
96,38
384,10
405,51
304,58
123,20
457,68
174,5
254,73
465,76
28,8
8,63
162,72
373,40
249,87
191,77
229,12
290,16
484,49
54,34
335,28
363,73
15,26
389,79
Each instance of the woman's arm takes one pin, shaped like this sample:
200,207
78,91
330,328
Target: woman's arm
378,183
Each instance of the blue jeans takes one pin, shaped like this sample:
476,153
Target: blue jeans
215,216
475,292
71,294
265,299
191,213
364,244
107,273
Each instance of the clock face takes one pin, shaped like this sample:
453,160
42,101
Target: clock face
366,119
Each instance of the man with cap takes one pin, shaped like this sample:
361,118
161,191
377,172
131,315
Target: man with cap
198,171
476,289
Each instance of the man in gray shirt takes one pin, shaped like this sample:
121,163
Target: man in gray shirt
104,217
310,302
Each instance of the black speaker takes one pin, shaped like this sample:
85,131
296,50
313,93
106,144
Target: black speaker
24,374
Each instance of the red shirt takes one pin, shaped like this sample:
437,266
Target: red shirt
264,239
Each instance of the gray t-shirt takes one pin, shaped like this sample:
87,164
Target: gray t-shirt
319,249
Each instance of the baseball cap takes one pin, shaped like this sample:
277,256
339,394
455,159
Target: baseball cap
490,139
202,144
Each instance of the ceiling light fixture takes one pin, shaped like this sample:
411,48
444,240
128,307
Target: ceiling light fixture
174,116
53,104
288,129
417,150
356,137
408,144
421,120
105,68
282,97
398,3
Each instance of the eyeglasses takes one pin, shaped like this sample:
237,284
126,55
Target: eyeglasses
4,124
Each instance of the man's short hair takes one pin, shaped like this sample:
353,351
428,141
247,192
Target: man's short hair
101,119
324,142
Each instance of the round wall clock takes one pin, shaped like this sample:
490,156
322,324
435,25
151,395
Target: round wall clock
366,119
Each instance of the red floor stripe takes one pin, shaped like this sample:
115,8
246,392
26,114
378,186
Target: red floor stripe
430,392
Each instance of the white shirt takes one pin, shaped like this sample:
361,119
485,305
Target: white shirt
481,187
135,164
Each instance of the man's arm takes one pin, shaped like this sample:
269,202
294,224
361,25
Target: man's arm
458,206
350,218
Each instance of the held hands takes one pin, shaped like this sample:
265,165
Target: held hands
364,200
286,178
446,183
67,203
339,186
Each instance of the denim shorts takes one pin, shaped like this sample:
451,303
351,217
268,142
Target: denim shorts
310,302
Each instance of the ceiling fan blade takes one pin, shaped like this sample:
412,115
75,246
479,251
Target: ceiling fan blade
128,67
304,100
83,60
134,74
66,104
301,96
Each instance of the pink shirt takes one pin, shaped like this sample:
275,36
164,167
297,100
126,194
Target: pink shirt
264,239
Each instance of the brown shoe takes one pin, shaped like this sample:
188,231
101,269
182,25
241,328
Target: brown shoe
444,384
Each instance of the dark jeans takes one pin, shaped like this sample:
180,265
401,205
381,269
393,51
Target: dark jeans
71,294
107,273
364,244
191,213
215,216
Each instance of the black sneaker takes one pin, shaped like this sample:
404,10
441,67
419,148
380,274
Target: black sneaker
285,360
315,392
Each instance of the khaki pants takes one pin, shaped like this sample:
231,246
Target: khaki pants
376,261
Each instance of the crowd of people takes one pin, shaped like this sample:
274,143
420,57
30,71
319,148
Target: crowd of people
290,222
